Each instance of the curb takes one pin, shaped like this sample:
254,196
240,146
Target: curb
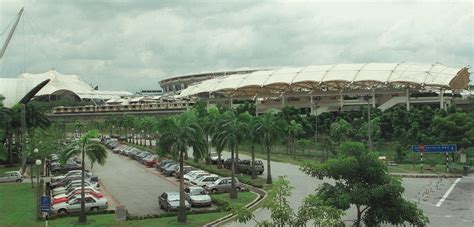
425,176
262,194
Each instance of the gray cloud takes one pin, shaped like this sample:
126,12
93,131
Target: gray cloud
130,45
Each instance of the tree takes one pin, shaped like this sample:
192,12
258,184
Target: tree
269,129
182,132
94,151
228,134
362,180
340,130
283,215
293,129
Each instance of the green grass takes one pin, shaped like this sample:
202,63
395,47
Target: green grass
410,168
243,198
109,220
6,169
17,204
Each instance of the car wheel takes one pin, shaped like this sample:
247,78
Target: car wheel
214,190
94,209
18,180
237,189
62,212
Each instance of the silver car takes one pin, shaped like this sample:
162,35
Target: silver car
74,205
169,201
11,176
197,196
223,185
204,180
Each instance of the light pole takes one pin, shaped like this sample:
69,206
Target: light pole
142,138
369,132
133,135
35,154
38,163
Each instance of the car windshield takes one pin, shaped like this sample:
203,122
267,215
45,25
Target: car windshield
173,197
197,191
213,154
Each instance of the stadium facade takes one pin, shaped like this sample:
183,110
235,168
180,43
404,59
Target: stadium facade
325,88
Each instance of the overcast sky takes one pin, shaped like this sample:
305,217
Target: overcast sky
130,45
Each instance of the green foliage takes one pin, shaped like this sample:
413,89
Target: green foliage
283,215
362,180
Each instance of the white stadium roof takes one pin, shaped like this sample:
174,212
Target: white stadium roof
13,89
335,77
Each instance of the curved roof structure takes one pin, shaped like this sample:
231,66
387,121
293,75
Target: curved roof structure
13,89
335,77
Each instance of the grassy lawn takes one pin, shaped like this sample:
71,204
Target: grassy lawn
6,169
17,204
243,197
410,168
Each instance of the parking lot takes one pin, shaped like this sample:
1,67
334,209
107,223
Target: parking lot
134,186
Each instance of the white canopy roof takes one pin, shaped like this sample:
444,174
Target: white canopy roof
13,89
335,77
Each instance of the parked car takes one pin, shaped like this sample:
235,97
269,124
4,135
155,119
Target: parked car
162,163
64,168
228,163
69,179
204,180
167,165
197,196
75,174
76,190
73,184
169,201
246,167
151,160
190,174
223,185
74,205
214,157
198,175
11,176
76,194
168,171
186,170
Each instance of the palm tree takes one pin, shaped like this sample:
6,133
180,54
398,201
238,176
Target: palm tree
228,133
293,129
94,151
179,133
269,129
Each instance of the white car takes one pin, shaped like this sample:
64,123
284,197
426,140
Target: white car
204,180
70,173
74,205
11,176
190,174
197,196
198,175
73,184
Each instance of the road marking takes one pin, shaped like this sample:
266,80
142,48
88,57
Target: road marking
447,192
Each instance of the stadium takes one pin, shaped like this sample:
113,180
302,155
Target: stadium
328,88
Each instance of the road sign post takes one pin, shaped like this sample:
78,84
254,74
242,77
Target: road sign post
45,202
442,148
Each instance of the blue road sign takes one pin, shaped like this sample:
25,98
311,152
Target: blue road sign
442,148
45,203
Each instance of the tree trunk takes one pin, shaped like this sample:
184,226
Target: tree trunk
208,161
252,149
82,214
232,193
10,150
269,172
359,214
182,205
219,161
237,167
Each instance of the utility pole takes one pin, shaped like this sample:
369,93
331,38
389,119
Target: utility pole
369,131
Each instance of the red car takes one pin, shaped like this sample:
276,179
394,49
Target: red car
151,161
78,194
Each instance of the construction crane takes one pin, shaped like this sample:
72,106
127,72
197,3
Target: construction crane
10,34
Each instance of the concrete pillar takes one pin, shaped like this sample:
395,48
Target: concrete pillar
231,102
342,102
408,99
373,98
311,103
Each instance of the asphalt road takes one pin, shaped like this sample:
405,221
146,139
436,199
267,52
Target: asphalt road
132,185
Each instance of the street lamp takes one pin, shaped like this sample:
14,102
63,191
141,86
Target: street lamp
35,154
38,163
